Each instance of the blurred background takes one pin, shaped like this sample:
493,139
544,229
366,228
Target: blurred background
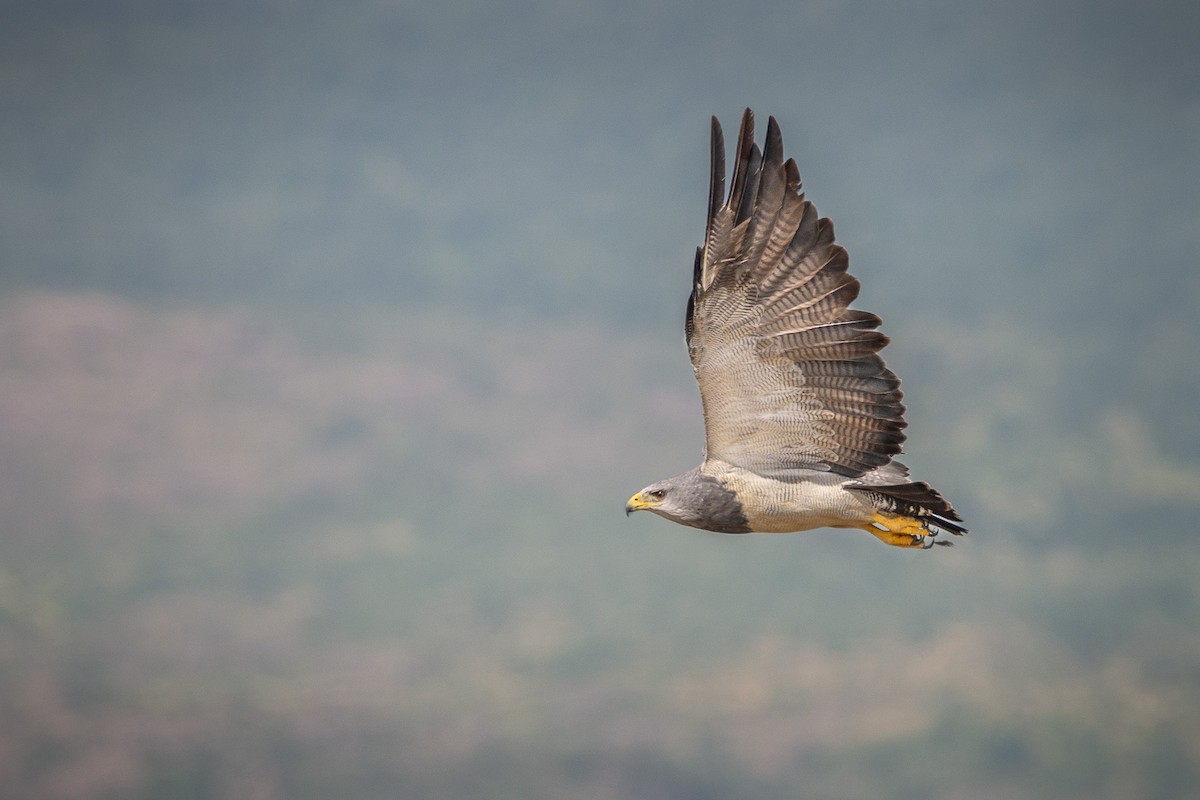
335,337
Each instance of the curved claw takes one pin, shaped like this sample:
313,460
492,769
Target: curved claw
901,531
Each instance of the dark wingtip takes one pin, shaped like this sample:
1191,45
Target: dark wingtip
773,146
716,175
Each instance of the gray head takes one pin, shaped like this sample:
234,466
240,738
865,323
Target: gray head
694,499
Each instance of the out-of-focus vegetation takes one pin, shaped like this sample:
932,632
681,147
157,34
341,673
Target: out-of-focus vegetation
335,337
278,557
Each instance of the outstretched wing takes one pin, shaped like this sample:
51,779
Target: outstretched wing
789,374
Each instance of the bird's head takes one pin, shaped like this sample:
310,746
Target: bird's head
691,499
656,497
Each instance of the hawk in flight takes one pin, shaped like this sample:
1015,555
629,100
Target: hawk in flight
802,418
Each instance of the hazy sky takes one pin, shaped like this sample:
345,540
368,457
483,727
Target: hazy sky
964,149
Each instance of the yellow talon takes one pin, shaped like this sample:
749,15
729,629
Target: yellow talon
898,531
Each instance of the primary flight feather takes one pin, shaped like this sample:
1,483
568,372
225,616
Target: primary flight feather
802,418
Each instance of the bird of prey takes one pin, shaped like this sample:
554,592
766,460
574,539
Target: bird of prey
802,418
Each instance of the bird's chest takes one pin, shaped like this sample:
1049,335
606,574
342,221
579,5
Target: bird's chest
773,506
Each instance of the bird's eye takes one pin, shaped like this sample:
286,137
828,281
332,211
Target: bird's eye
657,494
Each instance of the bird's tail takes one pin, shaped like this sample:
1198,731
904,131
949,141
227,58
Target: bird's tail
918,500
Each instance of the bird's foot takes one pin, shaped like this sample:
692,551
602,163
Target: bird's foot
900,531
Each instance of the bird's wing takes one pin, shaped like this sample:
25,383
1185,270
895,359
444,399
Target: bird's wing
790,376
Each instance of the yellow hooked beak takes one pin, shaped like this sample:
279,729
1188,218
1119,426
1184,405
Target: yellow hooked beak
639,502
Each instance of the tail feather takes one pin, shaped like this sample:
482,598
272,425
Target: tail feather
919,500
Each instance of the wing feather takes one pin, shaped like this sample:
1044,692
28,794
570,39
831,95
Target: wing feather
789,375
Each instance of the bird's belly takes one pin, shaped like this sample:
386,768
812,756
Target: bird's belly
773,506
